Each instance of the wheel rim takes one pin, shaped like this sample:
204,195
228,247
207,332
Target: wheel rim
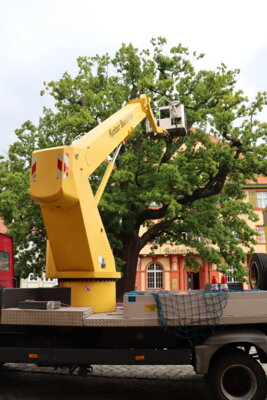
254,276
238,382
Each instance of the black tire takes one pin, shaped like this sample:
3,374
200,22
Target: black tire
258,271
236,376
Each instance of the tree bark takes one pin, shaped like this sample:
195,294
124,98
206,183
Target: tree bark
130,255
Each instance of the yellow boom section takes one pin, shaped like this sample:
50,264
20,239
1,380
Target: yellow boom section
78,247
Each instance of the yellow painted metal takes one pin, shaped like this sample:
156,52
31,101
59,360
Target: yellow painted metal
53,272
104,138
99,295
77,237
145,104
104,181
78,245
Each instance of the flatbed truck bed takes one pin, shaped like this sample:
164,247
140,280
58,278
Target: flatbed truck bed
133,334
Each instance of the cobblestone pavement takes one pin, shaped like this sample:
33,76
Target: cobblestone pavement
27,382
171,372
131,382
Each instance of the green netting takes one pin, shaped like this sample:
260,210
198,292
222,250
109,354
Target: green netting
189,315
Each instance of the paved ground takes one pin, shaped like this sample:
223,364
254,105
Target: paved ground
26,382
170,372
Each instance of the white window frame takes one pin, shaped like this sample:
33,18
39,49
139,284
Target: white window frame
261,238
154,276
261,199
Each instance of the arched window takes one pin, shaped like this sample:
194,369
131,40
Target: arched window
154,276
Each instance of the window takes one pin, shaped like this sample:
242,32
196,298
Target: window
261,237
31,277
165,113
262,199
154,276
230,276
4,261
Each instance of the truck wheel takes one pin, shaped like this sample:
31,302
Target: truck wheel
237,376
258,271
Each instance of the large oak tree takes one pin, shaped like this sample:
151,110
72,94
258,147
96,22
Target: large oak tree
195,181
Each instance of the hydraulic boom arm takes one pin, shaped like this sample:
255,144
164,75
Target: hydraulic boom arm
78,251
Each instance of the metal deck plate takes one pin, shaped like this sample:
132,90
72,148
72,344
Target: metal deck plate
241,308
65,316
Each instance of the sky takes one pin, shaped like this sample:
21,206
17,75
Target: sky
41,39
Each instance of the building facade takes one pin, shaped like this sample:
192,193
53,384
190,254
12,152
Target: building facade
37,281
165,269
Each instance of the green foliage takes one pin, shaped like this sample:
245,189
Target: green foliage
195,182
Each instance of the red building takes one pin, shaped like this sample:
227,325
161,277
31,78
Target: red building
165,270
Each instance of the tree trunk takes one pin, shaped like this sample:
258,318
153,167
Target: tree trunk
130,255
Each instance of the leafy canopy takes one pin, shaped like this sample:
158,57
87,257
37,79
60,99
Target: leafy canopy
195,181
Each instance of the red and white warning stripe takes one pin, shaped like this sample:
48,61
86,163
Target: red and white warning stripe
63,165
33,170
66,166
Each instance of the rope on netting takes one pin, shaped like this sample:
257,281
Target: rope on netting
189,315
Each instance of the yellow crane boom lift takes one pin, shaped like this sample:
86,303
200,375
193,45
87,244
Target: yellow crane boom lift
78,251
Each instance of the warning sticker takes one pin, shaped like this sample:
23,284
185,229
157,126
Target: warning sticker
101,261
151,307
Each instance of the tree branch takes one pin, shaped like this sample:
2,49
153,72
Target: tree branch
235,142
171,148
213,187
153,232
151,213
